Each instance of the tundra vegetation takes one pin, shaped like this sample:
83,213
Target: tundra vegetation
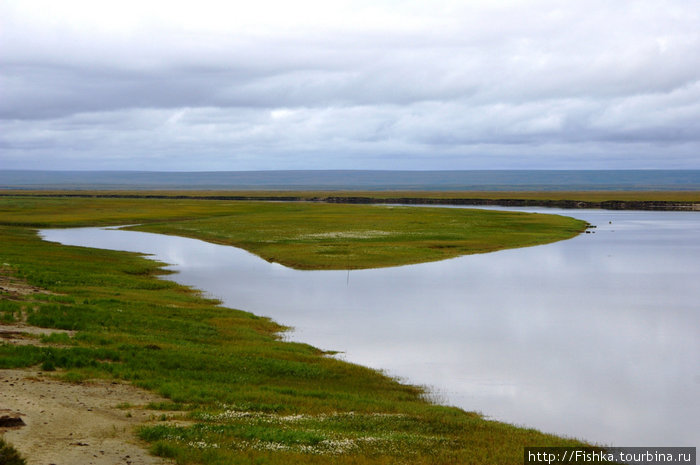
537,197
237,392
9,456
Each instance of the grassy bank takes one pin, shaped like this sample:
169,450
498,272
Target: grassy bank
322,236
306,235
241,394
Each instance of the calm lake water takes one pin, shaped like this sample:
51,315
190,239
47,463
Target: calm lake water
597,337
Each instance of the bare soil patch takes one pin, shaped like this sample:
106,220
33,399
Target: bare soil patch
22,334
68,424
16,287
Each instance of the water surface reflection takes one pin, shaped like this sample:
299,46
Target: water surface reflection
595,337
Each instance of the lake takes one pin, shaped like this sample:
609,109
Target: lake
596,337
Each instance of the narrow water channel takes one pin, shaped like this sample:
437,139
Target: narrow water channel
597,337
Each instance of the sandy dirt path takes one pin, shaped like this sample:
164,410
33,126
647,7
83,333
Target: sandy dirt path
75,424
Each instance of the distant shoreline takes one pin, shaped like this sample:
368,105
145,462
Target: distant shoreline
607,200
567,204
356,181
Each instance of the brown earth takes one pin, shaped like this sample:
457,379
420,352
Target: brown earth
75,424
15,287
23,334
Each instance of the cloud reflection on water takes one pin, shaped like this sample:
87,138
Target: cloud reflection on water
595,337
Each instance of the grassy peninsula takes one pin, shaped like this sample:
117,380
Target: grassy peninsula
306,235
236,392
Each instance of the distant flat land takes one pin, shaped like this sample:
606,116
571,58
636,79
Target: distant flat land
631,200
358,180
613,189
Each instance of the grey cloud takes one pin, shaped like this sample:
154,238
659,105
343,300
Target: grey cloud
556,84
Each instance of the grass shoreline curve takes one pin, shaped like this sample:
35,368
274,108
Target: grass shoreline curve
237,392
306,235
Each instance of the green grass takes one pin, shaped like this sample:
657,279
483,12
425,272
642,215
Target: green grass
66,212
323,236
10,456
250,397
307,235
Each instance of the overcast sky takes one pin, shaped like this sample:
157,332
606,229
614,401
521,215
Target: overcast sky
381,84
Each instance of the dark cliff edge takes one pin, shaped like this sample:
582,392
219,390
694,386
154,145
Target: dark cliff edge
569,204
461,201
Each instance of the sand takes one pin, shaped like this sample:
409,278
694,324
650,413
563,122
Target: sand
75,424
